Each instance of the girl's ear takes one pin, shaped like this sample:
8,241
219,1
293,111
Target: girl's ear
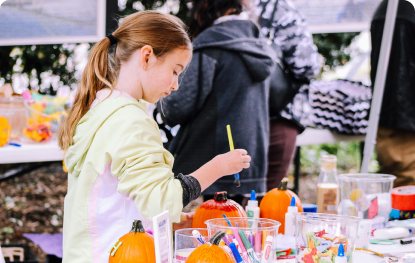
146,53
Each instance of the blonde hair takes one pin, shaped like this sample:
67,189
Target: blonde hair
162,32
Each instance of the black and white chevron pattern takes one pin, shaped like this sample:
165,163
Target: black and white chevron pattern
340,105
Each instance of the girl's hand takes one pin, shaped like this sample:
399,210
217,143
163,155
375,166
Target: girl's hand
233,162
186,220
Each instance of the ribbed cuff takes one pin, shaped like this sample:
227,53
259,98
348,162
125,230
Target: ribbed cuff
191,188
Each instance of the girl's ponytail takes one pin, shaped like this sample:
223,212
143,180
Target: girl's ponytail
97,74
162,32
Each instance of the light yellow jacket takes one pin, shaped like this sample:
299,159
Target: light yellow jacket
118,171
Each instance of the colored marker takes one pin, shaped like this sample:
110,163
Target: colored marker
236,253
196,234
264,238
237,182
251,240
225,239
241,245
248,247
266,255
258,244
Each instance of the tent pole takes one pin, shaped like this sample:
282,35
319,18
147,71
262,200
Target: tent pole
379,84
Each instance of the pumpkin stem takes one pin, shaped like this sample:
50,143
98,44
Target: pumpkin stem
137,227
221,196
283,184
215,240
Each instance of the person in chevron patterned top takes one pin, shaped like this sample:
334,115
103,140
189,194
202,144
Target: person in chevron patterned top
282,23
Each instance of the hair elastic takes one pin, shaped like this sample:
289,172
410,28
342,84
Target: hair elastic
112,39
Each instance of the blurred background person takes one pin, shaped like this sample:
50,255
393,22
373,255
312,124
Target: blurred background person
283,24
396,134
227,82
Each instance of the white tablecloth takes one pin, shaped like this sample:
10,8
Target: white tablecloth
366,257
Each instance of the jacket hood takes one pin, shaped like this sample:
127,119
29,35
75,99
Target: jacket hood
243,37
88,126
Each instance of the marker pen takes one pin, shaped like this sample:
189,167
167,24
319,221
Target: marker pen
235,253
196,234
248,247
241,245
408,241
266,255
258,244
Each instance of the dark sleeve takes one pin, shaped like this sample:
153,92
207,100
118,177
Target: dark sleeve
191,188
290,32
180,106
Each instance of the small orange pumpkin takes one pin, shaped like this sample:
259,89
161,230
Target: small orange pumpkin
275,204
136,246
215,208
211,252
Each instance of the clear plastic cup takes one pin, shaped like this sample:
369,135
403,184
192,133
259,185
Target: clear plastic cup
316,234
185,243
367,196
261,234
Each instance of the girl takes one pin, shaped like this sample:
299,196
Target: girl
118,168
227,82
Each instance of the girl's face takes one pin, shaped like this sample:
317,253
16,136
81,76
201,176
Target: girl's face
160,75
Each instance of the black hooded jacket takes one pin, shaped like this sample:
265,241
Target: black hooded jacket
398,106
226,83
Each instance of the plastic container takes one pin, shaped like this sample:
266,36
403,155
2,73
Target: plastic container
367,196
321,235
261,229
185,243
15,111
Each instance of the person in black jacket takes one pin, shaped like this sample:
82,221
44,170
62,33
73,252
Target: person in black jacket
227,82
396,133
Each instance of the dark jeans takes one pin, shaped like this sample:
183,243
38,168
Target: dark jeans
283,135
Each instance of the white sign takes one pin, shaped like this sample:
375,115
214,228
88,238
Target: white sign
163,238
28,22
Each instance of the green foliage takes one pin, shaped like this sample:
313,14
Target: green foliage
57,60
334,48
348,157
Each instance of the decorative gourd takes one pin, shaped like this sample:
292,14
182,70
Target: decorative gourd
211,252
136,246
215,208
275,204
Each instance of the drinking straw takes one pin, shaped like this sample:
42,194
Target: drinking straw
241,244
258,244
227,220
248,247
237,182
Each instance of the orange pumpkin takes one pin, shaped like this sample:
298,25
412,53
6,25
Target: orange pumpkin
136,246
211,252
275,204
215,208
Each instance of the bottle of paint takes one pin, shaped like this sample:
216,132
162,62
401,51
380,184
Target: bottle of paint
340,258
252,209
289,219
